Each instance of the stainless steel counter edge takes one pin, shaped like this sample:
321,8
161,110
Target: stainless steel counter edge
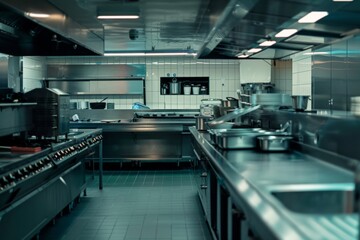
161,126
266,215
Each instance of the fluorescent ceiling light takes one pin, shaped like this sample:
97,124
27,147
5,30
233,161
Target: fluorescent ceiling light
312,17
267,43
254,50
139,54
343,0
107,17
286,33
243,56
38,15
316,53
124,54
169,54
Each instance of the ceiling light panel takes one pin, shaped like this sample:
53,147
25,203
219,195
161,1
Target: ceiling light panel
114,17
267,43
255,50
38,15
286,33
243,56
312,17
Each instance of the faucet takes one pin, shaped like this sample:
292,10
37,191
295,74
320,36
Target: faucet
287,127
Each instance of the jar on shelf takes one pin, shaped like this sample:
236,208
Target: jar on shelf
203,90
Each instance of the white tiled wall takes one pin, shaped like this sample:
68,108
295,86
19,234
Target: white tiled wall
255,71
282,76
301,74
224,79
34,71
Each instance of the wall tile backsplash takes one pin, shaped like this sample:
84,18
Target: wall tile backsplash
34,71
301,74
282,76
224,79
292,76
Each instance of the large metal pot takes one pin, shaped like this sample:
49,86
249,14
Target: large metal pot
300,102
200,122
174,87
230,102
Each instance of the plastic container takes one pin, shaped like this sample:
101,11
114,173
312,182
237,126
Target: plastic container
187,90
196,90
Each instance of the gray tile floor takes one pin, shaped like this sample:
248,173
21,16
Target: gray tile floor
144,204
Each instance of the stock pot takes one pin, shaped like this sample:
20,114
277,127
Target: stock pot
300,102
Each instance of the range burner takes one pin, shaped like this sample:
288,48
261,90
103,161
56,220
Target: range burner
164,115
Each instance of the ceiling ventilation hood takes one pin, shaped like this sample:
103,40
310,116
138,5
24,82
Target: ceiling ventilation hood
265,19
224,29
21,35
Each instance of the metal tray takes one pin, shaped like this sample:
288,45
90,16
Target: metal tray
215,132
274,143
245,139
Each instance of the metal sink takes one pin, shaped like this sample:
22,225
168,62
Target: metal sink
325,200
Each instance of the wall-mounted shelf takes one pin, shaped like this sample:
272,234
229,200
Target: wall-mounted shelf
201,81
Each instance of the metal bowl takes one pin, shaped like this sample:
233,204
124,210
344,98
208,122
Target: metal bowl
274,143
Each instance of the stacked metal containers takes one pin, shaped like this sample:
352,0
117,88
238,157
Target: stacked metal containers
51,114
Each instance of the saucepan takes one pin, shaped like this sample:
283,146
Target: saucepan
98,105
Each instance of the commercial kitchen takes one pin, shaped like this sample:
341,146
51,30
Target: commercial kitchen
193,119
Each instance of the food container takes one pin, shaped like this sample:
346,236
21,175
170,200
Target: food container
215,133
187,89
196,89
238,140
241,138
274,143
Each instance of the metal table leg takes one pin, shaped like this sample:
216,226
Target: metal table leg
101,165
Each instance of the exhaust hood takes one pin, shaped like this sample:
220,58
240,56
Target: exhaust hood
225,29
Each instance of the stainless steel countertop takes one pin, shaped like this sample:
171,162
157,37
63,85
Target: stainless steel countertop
250,176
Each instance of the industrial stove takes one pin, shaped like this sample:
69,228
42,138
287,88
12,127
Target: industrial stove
36,186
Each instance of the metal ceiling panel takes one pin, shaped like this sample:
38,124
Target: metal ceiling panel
212,28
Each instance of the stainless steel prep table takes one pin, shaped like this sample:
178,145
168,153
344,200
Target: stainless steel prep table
250,176
160,139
